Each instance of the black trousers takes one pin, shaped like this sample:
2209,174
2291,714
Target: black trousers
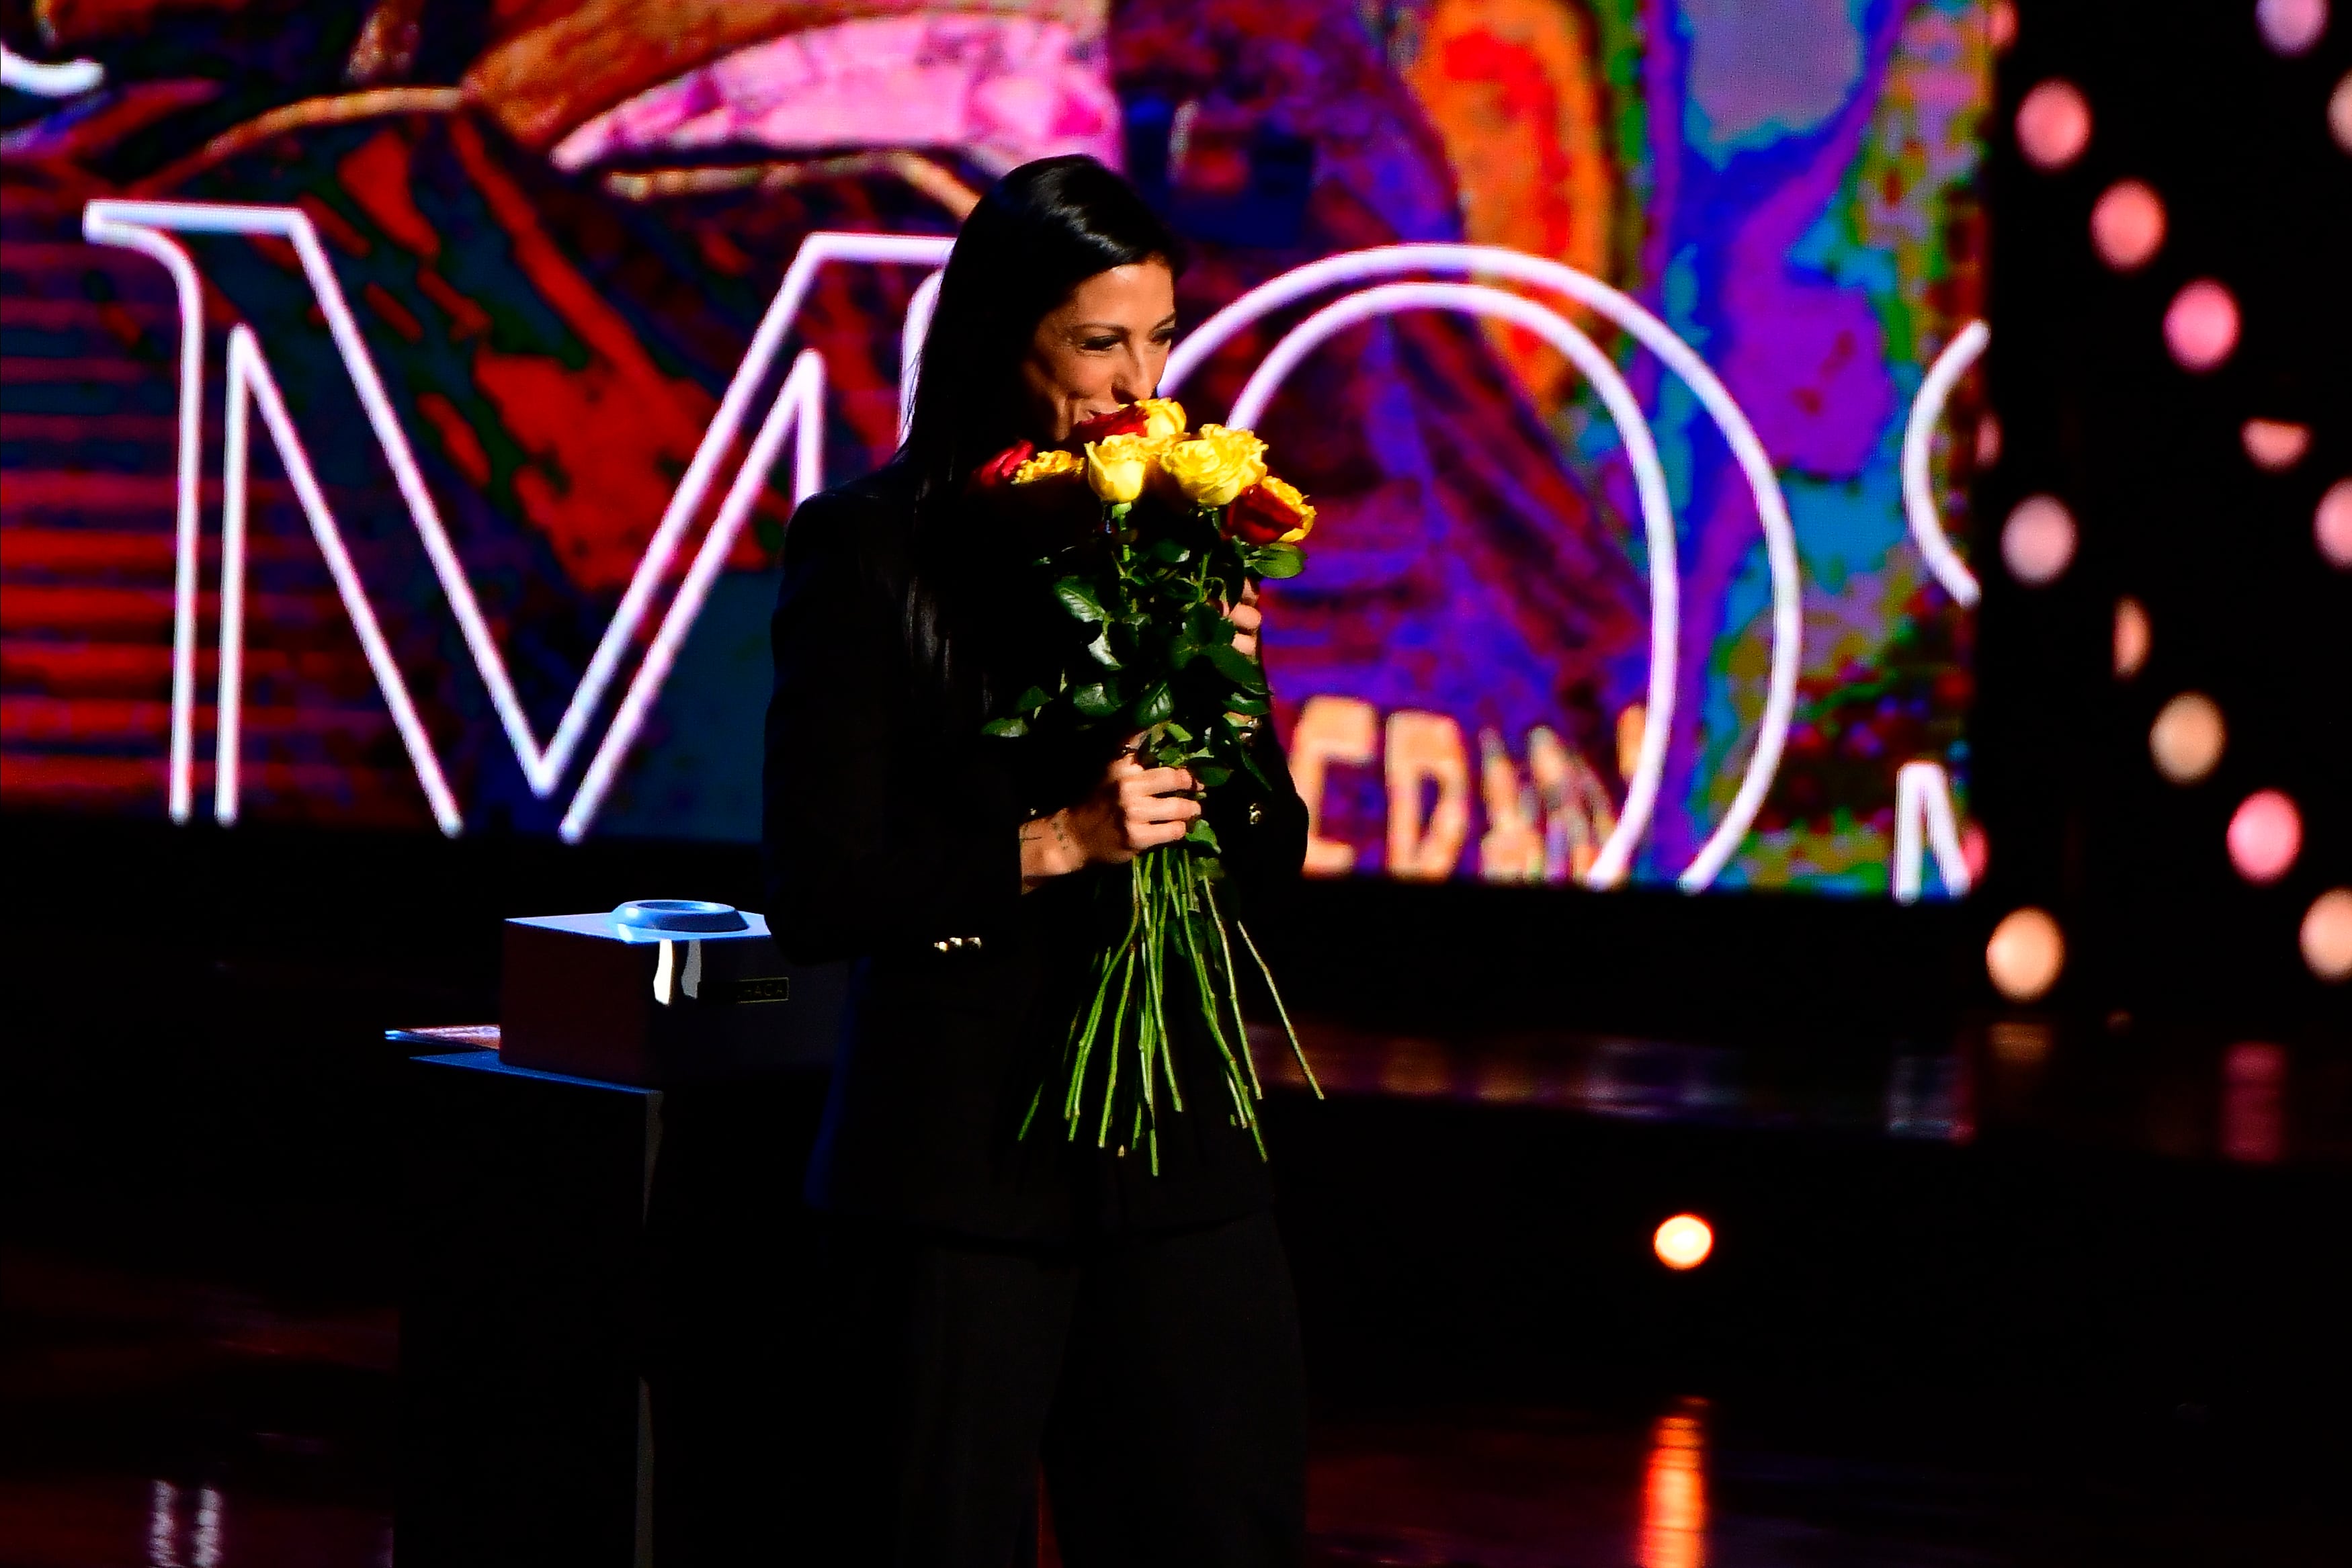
1157,1378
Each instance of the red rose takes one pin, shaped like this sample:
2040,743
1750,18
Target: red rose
1260,516
1129,419
1000,469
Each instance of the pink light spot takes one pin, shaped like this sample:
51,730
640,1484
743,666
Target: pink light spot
2038,542
2025,955
2331,524
1987,440
2290,26
2053,125
2127,226
2133,637
2201,327
1975,852
2327,934
2275,445
2188,737
2339,112
2001,25
2265,835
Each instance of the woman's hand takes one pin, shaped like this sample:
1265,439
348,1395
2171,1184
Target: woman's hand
1133,809
1247,618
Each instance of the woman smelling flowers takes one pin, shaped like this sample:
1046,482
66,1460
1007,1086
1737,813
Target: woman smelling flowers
990,1301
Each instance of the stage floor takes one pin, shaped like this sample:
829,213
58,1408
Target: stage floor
159,1420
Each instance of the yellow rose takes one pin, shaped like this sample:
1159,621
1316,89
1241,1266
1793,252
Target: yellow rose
1166,416
1244,447
1048,465
1211,471
1116,466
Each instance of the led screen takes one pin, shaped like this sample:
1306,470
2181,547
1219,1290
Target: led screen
1615,581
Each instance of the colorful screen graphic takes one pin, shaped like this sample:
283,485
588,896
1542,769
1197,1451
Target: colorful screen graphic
403,410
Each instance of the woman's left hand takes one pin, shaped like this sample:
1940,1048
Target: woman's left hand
1247,618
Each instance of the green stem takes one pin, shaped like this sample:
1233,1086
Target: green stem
1236,1084
1233,986
1279,1010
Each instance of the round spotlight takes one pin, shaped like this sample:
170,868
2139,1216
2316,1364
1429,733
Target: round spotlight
2025,955
2265,835
2132,635
2127,226
2186,738
2200,326
2053,124
2038,541
2339,112
2290,26
1683,1241
2276,444
2001,25
2327,934
2331,524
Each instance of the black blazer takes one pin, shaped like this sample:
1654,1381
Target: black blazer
892,839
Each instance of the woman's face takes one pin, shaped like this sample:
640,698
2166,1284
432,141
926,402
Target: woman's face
1102,347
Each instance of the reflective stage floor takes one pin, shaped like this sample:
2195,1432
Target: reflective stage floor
1994,1304
154,1422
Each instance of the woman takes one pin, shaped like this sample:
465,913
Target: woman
998,1300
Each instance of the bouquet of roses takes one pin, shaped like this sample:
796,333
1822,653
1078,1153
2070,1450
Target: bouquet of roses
1188,520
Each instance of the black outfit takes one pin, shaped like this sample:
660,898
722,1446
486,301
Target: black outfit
992,1295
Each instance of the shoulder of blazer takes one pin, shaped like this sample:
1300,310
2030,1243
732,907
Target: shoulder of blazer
870,520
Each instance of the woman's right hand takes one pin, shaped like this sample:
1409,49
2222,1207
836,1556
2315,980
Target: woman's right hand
1133,809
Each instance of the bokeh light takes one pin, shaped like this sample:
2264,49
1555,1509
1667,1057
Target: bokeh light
2265,835
2127,226
2038,541
2253,1102
2327,934
1683,1241
1987,440
2276,444
2188,737
2200,326
2053,124
2025,955
2339,112
1975,850
2001,25
2132,635
2331,524
2290,26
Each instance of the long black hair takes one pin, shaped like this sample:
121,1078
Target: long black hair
1040,231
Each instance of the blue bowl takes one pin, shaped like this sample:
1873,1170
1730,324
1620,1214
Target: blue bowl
684,916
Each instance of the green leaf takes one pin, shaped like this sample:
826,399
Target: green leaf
1009,729
1155,705
1030,700
1200,833
1100,649
1249,760
1099,700
1077,597
1170,551
1277,561
1236,666
1211,774
1242,702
